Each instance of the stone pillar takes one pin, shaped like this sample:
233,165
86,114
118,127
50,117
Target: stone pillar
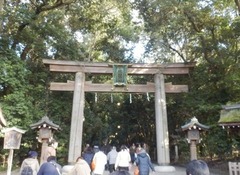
75,142
176,152
161,121
193,149
43,157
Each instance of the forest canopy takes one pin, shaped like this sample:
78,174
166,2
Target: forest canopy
206,32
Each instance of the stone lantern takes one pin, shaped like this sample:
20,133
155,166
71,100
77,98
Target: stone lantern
193,129
45,133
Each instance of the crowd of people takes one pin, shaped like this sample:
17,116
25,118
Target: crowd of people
95,160
49,165
119,160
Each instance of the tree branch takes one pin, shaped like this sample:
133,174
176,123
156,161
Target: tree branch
191,20
237,2
39,9
179,53
25,52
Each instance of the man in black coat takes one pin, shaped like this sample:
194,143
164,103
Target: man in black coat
197,167
51,167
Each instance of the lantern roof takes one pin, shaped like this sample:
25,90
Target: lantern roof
230,116
194,124
45,122
5,130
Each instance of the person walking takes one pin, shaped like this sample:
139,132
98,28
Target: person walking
132,151
99,161
51,167
30,165
49,151
197,167
143,162
88,155
111,157
81,167
123,159
86,147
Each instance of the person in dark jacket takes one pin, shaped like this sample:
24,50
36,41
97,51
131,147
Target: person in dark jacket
197,167
88,155
143,162
51,167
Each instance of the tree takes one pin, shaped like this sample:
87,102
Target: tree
71,30
206,32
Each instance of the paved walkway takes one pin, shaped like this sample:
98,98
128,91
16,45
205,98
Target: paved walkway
162,171
178,171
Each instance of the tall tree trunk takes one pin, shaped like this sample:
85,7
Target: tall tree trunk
1,10
237,2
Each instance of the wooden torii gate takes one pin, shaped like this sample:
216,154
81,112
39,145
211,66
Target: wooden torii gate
80,86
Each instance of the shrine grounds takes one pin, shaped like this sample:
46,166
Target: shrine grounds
221,169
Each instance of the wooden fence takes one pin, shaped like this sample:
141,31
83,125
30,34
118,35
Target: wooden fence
234,168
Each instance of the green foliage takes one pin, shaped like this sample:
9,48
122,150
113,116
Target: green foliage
230,116
217,144
16,102
184,152
103,31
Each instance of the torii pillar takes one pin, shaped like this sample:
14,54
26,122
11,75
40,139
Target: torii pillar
75,143
161,121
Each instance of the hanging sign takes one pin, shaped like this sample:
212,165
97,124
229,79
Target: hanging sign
12,138
120,75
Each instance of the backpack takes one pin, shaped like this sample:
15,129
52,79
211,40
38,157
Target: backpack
27,170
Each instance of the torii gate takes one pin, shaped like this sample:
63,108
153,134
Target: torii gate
80,86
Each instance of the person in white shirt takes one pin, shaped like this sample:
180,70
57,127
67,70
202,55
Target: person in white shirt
123,159
111,157
100,160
